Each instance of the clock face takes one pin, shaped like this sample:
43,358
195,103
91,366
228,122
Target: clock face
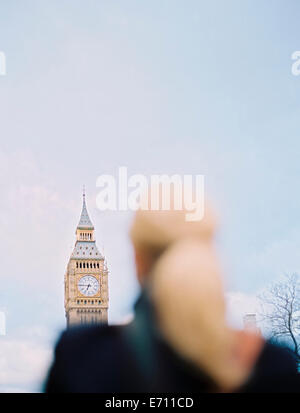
88,285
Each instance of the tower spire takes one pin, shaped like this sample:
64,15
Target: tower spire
85,221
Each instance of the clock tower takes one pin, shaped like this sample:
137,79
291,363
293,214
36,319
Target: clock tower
86,278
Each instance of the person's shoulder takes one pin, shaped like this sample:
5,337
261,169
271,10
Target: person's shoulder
87,332
275,371
80,348
82,337
276,358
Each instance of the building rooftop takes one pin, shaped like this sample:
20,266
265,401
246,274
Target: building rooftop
86,250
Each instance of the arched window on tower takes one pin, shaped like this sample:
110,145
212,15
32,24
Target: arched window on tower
80,265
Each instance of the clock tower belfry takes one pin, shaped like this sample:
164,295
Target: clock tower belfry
86,278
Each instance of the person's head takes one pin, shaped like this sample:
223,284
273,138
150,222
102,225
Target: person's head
153,232
177,262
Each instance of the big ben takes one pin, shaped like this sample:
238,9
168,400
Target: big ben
86,278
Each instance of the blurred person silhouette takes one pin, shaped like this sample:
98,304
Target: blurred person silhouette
179,340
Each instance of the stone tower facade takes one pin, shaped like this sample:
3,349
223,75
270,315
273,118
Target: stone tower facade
86,278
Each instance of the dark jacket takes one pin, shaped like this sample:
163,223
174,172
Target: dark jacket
134,358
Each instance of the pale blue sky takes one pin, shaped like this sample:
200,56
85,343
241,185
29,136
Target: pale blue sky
202,87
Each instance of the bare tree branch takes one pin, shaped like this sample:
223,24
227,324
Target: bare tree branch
281,310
